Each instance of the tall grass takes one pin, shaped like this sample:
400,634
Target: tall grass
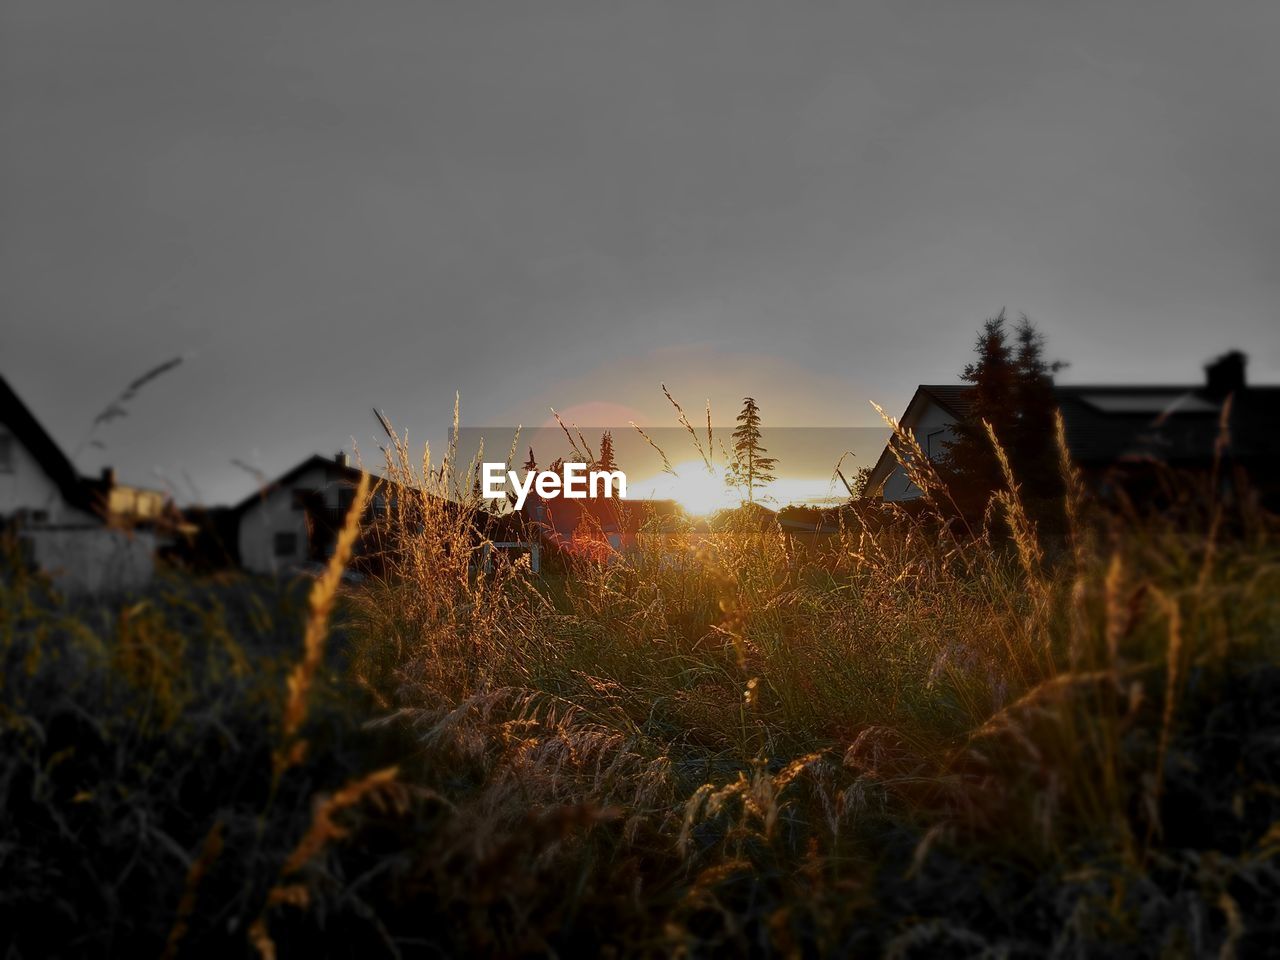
916,740
909,704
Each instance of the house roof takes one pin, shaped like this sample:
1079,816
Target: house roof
334,470
331,467
1178,424
23,424
955,398
1107,423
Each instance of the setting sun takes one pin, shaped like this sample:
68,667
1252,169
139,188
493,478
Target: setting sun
702,491
699,490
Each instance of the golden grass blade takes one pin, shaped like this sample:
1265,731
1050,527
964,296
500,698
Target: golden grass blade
323,594
684,422
1024,530
323,829
1073,492
1221,445
323,826
210,850
1173,678
710,444
666,464
581,452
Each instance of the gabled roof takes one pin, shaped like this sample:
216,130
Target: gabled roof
955,398
1106,423
328,464
23,425
1174,424
334,470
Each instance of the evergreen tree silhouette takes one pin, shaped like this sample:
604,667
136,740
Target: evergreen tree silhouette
606,459
750,467
1012,391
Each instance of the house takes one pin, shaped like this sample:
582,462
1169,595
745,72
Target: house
1119,425
294,521
91,536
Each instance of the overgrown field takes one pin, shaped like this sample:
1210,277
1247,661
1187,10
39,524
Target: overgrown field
910,744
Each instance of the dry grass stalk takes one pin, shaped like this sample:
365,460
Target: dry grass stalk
1173,658
323,829
323,594
1118,615
210,849
323,826
1235,926
684,422
1024,530
1221,445
921,471
1074,495
578,444
666,464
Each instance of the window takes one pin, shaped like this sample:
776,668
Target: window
286,544
346,497
6,453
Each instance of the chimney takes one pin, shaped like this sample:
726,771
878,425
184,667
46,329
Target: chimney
341,459
1225,375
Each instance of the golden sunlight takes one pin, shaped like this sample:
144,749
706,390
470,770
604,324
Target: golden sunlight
702,492
699,490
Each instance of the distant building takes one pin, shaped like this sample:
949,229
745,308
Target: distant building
122,504
294,522
1119,425
87,535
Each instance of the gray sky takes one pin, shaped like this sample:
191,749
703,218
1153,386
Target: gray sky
333,205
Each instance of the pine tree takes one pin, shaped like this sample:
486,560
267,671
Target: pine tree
606,459
750,469
969,466
1012,391
1033,432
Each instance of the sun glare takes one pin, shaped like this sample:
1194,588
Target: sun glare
702,492
699,490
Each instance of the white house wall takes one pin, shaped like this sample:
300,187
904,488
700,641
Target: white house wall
275,513
931,430
26,487
74,548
